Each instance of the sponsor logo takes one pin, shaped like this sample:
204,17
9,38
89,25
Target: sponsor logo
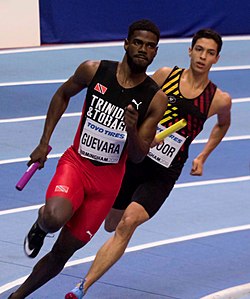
89,233
136,104
27,250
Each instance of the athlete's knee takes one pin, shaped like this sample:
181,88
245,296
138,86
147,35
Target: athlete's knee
54,215
112,220
128,225
128,222
110,225
51,222
133,216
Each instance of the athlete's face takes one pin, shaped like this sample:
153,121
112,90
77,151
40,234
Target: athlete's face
203,55
141,49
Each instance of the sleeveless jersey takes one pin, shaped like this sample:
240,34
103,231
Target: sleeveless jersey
194,111
101,135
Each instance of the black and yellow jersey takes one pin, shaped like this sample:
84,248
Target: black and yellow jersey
194,110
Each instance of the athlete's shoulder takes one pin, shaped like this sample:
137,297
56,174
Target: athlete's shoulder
86,71
221,104
223,97
161,74
88,65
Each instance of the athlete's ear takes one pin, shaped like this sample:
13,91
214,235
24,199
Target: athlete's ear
156,50
189,51
216,59
125,44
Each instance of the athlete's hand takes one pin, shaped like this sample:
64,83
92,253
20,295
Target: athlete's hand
155,142
39,154
131,118
197,167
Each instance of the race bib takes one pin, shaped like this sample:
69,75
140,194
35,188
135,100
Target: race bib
165,152
101,143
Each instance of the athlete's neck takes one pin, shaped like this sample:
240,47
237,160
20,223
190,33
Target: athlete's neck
127,77
192,85
195,80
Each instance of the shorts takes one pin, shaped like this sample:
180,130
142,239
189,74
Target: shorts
91,190
148,183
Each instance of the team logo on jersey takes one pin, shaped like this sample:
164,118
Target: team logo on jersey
171,99
62,188
100,88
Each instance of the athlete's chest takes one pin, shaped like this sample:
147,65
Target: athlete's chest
189,92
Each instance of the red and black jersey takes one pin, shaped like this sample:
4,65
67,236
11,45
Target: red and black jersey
103,112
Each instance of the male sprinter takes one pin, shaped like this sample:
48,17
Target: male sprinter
89,174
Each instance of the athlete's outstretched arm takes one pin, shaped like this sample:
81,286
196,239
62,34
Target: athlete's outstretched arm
58,105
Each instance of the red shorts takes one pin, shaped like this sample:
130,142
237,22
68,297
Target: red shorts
91,190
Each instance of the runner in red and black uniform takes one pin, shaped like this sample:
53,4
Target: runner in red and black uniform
120,115
146,186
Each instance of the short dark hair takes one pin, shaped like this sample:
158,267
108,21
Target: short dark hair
208,33
144,24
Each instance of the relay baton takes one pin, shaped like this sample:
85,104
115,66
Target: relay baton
170,130
29,173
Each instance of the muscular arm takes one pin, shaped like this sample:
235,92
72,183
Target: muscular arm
222,107
140,139
59,102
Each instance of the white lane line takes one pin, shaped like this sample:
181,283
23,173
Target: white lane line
40,117
177,186
213,182
19,281
74,114
198,141
236,292
20,210
26,159
229,138
230,68
112,44
240,100
35,82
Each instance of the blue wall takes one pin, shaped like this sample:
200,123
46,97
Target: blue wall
73,21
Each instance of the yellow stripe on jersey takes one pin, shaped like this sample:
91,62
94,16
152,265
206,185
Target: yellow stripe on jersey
173,81
172,87
168,88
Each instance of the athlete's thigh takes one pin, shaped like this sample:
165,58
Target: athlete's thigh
89,217
152,194
67,183
134,175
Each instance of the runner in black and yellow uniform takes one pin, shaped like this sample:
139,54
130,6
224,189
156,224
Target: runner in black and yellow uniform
150,182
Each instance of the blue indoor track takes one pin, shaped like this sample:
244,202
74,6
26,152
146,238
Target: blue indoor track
199,242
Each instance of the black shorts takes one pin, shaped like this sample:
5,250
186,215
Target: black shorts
148,184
